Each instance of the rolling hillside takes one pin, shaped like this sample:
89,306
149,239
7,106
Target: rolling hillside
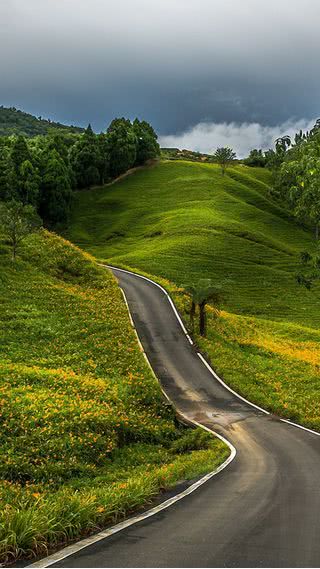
81,413
182,221
14,121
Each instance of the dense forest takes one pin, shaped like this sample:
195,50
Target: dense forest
15,122
43,171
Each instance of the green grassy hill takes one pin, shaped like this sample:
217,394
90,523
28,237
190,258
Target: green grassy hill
183,221
81,414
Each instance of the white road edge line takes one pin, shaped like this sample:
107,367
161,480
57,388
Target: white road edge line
300,427
82,544
215,375
229,388
156,284
125,299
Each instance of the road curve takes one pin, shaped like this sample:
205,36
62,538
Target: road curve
261,511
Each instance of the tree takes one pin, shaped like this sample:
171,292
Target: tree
55,192
19,153
315,129
5,172
103,157
85,160
147,144
29,181
224,156
122,146
282,143
255,158
202,292
274,159
17,221
310,265
61,142
300,180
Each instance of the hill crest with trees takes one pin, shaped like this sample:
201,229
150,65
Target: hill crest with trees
14,122
44,171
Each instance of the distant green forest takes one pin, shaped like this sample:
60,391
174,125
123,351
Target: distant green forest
13,121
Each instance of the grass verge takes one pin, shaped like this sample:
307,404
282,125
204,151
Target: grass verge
273,364
85,434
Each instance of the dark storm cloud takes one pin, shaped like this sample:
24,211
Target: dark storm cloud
176,63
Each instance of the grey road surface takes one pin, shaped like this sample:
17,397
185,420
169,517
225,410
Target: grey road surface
263,510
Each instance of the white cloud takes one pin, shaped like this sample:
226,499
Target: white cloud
206,137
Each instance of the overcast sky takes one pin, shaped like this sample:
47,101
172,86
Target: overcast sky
193,68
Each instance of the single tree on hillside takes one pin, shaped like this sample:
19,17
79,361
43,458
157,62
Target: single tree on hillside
203,292
17,221
147,144
224,156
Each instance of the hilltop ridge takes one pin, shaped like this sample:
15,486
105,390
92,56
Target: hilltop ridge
14,121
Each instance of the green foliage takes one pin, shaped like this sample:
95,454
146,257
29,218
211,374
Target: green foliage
202,292
5,171
85,160
297,175
194,439
28,183
62,142
15,122
282,143
122,145
224,156
310,269
147,145
85,434
55,191
184,222
256,158
43,171
19,153
103,162
17,221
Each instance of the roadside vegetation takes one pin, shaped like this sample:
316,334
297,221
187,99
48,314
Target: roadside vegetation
86,436
272,363
295,167
184,222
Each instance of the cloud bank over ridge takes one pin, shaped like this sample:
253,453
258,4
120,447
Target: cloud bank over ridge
206,137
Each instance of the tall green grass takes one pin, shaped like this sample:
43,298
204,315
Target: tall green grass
184,221
85,435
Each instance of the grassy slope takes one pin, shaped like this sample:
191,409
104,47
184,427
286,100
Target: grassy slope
85,435
183,221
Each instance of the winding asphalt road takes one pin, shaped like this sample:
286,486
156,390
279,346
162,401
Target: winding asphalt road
263,510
